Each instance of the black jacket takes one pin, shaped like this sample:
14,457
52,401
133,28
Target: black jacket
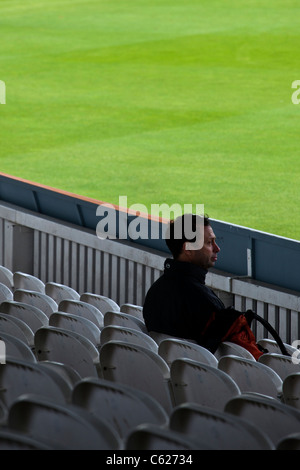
180,304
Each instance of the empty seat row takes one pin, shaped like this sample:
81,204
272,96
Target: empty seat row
58,426
123,407
98,414
97,331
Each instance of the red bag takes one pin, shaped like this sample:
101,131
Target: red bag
234,326
241,333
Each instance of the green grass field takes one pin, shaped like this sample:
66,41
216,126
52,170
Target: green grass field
164,101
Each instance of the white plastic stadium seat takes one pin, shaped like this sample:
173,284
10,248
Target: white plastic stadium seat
291,390
103,303
60,292
272,347
37,299
62,426
252,376
16,348
219,430
132,309
32,316
76,323
227,349
171,349
60,345
200,383
63,374
5,293
124,319
156,438
14,440
82,309
275,419
6,277
128,335
20,377
123,407
137,367
159,337
18,328
28,282
282,365
289,442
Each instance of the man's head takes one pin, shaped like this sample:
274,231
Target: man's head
191,238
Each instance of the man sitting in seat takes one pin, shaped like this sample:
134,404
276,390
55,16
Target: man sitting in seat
179,303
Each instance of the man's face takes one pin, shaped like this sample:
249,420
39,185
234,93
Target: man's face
206,257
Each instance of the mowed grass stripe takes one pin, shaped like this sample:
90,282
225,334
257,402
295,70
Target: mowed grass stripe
162,101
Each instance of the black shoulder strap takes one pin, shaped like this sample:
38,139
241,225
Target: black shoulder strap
250,315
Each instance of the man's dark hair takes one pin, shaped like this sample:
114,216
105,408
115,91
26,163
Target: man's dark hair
178,226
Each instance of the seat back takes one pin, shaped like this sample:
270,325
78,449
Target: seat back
32,316
62,373
138,367
282,365
7,277
76,323
16,348
14,440
159,337
275,419
290,442
123,407
67,347
272,346
128,335
252,376
127,320
149,437
60,292
219,430
19,377
28,282
101,302
63,427
5,293
82,309
200,383
172,348
132,309
291,390
227,349
17,328
37,299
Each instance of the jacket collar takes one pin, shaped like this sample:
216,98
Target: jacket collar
185,268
